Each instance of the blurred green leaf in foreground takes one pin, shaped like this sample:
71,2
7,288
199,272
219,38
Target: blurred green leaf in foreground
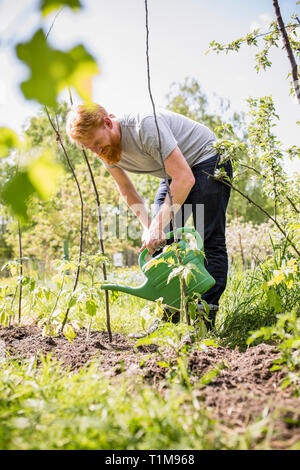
8,141
52,70
40,176
47,6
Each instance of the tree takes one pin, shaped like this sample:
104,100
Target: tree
188,98
265,151
266,41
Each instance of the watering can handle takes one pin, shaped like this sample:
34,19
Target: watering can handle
170,235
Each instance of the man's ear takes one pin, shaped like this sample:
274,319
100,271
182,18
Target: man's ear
108,121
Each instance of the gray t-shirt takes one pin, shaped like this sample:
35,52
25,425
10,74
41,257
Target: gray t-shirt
140,147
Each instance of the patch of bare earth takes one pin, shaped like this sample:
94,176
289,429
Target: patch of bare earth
244,391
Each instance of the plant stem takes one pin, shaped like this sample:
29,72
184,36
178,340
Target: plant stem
242,251
88,331
20,273
101,244
56,300
183,293
12,302
187,315
52,24
181,299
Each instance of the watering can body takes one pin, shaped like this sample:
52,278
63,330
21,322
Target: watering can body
157,271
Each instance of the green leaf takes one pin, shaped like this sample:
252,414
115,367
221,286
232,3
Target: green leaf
40,177
163,364
91,307
254,336
8,141
155,262
25,280
69,333
192,310
4,318
47,6
286,382
176,272
45,173
86,68
212,374
16,192
114,295
274,300
206,306
72,302
52,70
275,367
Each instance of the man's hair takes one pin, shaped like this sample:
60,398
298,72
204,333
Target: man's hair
83,120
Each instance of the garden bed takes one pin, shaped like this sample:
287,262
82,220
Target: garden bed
243,391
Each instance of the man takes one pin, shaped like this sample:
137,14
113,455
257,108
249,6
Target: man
131,144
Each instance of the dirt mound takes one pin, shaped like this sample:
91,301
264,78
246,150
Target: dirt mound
26,341
245,389
240,391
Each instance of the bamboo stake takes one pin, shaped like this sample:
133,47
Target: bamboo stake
100,238
59,139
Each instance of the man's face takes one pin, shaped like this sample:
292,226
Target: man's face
106,143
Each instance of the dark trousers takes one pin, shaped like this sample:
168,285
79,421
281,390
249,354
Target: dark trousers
207,200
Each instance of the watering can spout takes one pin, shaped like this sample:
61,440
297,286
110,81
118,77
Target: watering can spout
142,291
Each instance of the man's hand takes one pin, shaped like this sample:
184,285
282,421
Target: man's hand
153,240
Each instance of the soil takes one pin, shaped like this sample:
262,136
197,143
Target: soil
243,392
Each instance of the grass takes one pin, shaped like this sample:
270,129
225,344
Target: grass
48,408
51,409
245,307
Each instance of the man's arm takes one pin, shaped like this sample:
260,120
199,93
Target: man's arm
130,195
182,182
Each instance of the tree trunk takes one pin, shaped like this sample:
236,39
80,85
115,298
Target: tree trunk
288,49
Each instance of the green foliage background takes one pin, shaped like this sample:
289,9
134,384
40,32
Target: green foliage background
57,219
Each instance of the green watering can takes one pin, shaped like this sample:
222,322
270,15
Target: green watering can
157,272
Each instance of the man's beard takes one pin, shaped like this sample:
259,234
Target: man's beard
112,154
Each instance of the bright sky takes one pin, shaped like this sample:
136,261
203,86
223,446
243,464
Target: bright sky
180,32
